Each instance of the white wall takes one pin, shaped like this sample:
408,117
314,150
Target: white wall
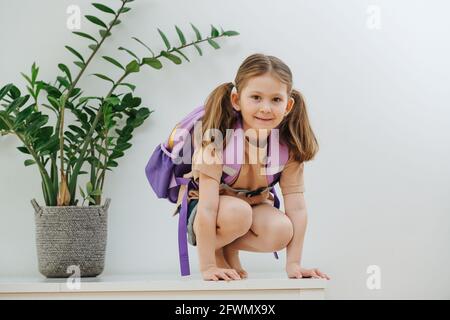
378,99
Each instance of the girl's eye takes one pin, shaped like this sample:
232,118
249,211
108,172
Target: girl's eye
277,99
256,97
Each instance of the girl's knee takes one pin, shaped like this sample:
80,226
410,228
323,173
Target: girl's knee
280,234
235,217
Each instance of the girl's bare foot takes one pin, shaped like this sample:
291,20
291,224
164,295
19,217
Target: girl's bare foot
232,258
220,260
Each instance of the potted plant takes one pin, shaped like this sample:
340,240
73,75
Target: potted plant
69,233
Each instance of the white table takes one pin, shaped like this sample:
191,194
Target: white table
171,287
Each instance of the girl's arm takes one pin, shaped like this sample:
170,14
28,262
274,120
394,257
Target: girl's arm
205,231
207,208
295,208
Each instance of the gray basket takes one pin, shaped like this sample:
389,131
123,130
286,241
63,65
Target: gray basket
71,237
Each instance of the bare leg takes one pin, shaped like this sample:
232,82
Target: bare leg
233,221
271,230
232,258
220,259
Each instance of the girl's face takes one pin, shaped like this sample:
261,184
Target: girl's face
263,103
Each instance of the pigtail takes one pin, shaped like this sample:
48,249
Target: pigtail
219,112
296,131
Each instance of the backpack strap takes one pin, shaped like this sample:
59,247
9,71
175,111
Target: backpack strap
233,155
276,203
182,229
278,156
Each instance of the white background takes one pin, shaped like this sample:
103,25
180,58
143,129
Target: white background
378,99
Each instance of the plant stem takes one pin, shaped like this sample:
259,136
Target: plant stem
79,163
74,83
44,173
73,182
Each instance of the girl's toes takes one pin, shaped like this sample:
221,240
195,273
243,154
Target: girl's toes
243,274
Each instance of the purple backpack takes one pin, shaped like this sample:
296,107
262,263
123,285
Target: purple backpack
171,160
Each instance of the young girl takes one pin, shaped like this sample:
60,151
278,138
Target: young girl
223,219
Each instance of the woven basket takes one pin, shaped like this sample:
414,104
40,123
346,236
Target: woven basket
71,238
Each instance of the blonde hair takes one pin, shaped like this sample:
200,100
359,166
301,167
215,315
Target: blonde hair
295,129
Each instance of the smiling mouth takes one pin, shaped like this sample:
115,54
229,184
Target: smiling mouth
264,119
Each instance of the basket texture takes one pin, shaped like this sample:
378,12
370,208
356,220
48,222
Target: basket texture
71,238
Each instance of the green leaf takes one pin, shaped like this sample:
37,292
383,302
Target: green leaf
181,36
129,52
171,57
116,155
54,102
133,66
198,34
115,23
66,70
214,44
112,163
166,41
45,132
27,78
89,187
93,47
102,150
5,90
23,149
103,33
214,31
198,49
63,81
134,38
79,64
143,113
84,99
129,85
29,162
23,115
97,192
101,76
96,21
3,124
17,103
75,52
75,92
34,72
77,130
103,8
85,35
50,147
231,33
114,62
14,92
182,54
36,121
113,101
131,102
82,193
152,62
124,10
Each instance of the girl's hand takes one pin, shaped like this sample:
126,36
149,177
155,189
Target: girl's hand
215,273
294,270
